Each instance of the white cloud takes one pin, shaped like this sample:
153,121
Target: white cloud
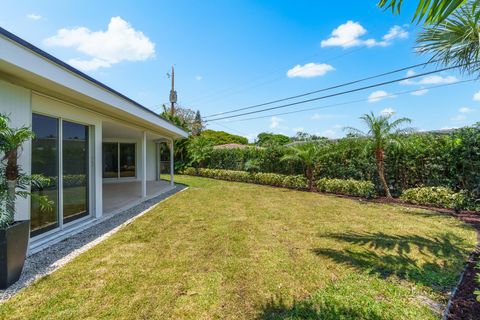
459,117
411,73
198,78
395,32
419,92
33,16
435,79
465,110
275,122
309,70
300,129
377,96
426,80
120,42
387,112
476,96
345,35
349,35
448,128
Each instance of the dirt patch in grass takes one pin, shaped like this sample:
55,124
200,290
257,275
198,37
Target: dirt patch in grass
464,304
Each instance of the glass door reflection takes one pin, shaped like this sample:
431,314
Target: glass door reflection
75,151
45,162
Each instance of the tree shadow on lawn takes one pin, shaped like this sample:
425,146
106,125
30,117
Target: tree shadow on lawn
387,255
278,310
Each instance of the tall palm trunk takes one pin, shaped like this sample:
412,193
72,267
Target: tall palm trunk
309,174
11,174
380,155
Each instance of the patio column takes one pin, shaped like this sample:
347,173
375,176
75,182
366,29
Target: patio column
172,167
144,164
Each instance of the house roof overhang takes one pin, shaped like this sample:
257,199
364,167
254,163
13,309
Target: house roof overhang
26,64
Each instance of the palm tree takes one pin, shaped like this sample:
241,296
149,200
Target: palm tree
429,11
199,149
381,131
307,154
456,41
13,181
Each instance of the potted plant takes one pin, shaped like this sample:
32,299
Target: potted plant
14,183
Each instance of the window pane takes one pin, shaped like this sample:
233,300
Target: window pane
75,171
45,162
110,160
127,160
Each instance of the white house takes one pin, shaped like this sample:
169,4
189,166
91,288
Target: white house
100,149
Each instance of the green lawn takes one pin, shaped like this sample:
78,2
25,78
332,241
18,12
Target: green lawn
223,250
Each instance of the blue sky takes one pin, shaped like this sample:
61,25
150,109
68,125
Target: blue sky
232,54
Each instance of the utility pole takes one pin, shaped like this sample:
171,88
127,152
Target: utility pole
173,94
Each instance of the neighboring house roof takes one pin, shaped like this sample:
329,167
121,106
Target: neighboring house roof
232,146
79,73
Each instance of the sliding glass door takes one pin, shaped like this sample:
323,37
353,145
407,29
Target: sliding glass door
45,162
75,170
60,146
119,160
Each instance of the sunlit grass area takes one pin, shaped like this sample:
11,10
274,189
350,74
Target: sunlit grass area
223,250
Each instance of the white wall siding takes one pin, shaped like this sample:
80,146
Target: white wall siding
151,160
15,102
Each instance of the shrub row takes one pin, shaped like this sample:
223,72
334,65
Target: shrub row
430,196
365,189
271,179
351,187
439,197
69,180
449,160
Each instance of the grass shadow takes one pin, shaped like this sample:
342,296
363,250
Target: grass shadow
434,262
279,310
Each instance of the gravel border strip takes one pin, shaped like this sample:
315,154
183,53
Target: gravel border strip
59,254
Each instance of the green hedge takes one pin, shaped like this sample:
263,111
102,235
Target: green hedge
438,197
267,159
428,159
271,179
365,189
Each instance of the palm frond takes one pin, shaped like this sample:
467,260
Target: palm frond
354,131
455,42
429,11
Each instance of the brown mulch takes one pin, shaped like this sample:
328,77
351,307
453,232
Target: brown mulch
464,304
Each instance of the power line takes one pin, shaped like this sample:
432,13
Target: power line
351,101
210,97
339,93
322,90
224,126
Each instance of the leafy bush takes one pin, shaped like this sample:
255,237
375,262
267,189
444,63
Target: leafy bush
270,179
295,182
349,187
438,197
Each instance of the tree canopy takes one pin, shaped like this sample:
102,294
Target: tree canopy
265,139
222,137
